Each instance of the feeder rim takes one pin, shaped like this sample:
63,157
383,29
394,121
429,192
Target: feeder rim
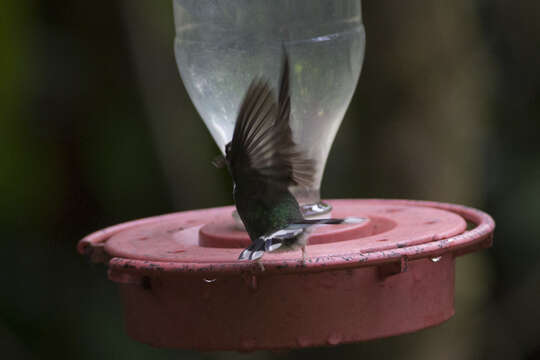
481,236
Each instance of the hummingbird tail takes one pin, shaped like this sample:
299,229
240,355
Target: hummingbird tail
349,220
254,251
271,242
353,220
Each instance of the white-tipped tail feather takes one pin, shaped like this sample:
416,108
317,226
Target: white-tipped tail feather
353,220
292,237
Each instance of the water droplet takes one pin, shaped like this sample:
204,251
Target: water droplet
436,259
209,281
248,344
333,339
303,341
253,283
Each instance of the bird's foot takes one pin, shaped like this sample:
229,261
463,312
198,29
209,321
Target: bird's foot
261,266
303,255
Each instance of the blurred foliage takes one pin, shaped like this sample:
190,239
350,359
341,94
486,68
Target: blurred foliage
96,128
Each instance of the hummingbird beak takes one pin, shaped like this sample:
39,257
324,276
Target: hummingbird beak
219,161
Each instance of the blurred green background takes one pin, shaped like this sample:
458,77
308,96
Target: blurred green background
96,128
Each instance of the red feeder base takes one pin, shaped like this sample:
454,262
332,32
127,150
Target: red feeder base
182,286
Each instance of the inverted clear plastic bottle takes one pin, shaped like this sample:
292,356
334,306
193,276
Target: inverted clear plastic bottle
221,45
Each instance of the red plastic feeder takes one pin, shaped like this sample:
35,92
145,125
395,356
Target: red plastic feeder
183,287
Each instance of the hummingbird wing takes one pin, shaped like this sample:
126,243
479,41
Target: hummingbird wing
262,143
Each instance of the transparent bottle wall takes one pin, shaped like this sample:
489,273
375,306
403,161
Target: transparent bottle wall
221,45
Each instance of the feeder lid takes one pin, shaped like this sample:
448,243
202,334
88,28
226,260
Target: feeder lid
206,241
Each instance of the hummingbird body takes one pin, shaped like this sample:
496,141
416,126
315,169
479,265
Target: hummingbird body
265,209
264,162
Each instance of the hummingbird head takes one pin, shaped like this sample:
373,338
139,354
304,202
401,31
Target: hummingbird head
221,161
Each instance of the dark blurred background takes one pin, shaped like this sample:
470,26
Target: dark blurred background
96,128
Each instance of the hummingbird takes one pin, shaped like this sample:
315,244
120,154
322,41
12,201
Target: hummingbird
264,162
